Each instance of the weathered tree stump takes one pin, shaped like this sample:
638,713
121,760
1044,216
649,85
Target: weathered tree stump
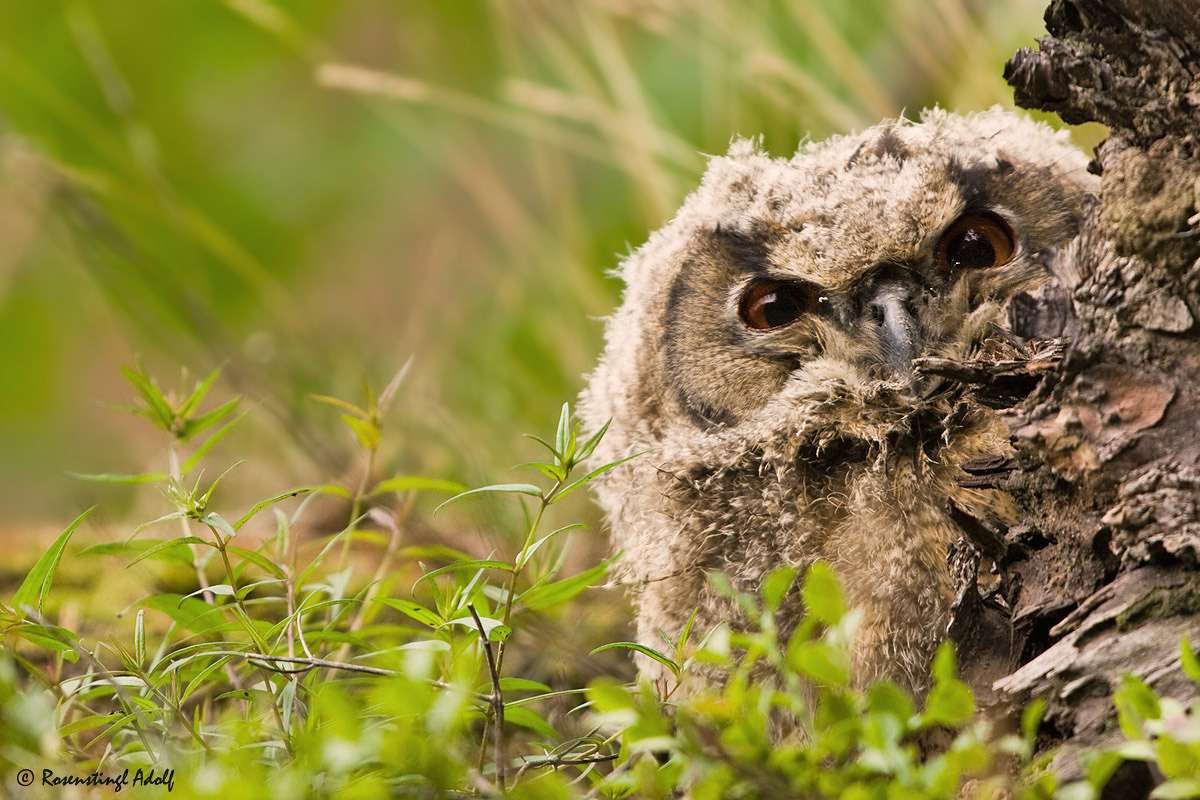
1102,577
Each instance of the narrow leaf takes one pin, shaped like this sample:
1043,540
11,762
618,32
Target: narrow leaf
258,559
465,565
665,660
152,395
494,629
418,612
509,488
36,586
198,394
169,545
145,477
368,435
337,402
209,444
566,490
590,445
552,594
265,503
562,439
207,420
139,638
178,553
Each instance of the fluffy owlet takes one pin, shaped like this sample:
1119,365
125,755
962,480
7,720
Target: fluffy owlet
762,360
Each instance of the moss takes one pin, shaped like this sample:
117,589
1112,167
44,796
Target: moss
1162,602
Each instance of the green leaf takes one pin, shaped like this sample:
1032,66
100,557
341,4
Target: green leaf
522,685
145,477
216,523
209,444
265,503
205,421
465,565
407,484
558,457
509,488
562,438
949,703
1031,719
418,612
526,554
48,637
217,589
368,435
1137,695
87,723
551,471
139,638
823,594
258,559
686,633
171,546
650,652
153,396
887,698
178,554
1175,760
494,629
944,667
590,445
36,586
776,585
553,594
198,394
566,490
339,403
524,718
213,486
200,678
1181,789
1191,666
145,525
194,615
823,663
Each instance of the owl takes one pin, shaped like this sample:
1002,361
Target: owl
764,363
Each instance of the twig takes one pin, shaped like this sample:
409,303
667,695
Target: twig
310,663
497,699
563,761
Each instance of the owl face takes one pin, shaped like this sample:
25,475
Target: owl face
843,263
762,361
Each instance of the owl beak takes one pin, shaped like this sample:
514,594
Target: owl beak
899,334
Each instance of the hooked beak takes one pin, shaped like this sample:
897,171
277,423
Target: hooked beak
899,334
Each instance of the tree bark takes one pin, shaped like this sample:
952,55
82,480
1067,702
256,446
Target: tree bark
1102,577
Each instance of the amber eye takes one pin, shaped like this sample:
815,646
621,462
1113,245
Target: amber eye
975,241
771,304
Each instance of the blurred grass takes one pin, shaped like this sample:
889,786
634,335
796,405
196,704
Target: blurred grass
314,190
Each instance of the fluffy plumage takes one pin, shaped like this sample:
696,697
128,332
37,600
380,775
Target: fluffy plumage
813,440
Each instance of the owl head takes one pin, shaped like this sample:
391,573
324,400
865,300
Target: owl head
784,305
837,266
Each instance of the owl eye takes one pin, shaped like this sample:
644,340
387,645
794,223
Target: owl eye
769,304
975,241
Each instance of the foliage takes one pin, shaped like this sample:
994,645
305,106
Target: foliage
287,673
307,189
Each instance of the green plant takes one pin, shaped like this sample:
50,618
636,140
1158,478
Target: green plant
288,672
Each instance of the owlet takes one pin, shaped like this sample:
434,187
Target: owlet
762,362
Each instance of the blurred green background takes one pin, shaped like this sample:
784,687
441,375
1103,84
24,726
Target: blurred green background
315,190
